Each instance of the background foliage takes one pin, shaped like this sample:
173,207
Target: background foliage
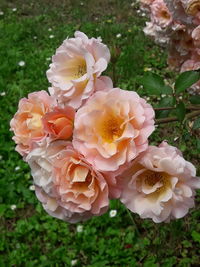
29,237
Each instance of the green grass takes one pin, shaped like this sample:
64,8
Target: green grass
29,237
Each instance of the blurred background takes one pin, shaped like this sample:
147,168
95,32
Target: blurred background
30,32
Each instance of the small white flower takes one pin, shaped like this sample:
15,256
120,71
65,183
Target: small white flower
14,9
112,213
118,35
51,36
143,14
163,95
176,138
158,98
49,29
1,13
48,59
132,4
13,207
3,93
81,3
21,63
73,262
35,37
32,187
79,228
180,97
147,98
1,157
17,168
138,11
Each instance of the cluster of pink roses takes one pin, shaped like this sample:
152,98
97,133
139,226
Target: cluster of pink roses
87,143
176,24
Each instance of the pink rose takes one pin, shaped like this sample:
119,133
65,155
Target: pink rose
160,184
112,128
67,185
58,124
160,13
76,68
27,121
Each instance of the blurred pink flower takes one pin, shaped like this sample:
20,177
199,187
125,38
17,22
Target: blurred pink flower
160,184
112,128
76,68
27,121
58,124
196,36
67,185
160,13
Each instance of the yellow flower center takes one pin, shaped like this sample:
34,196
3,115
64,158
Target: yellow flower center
111,128
81,70
165,14
152,178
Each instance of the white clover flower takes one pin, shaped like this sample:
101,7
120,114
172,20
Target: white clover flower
35,37
17,168
163,95
21,63
48,59
3,94
79,228
49,29
13,207
32,187
81,3
119,35
112,213
14,9
51,36
73,262
1,13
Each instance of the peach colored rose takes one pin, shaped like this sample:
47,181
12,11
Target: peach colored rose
67,185
58,124
27,121
160,184
112,128
160,13
76,66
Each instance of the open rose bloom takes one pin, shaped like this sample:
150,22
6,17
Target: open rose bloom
66,184
76,69
160,184
87,142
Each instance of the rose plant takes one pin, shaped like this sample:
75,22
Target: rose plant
87,142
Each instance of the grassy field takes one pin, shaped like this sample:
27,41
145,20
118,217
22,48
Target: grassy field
29,34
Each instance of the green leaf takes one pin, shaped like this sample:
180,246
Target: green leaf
165,102
196,124
196,236
186,79
153,83
180,111
2,209
195,99
167,90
